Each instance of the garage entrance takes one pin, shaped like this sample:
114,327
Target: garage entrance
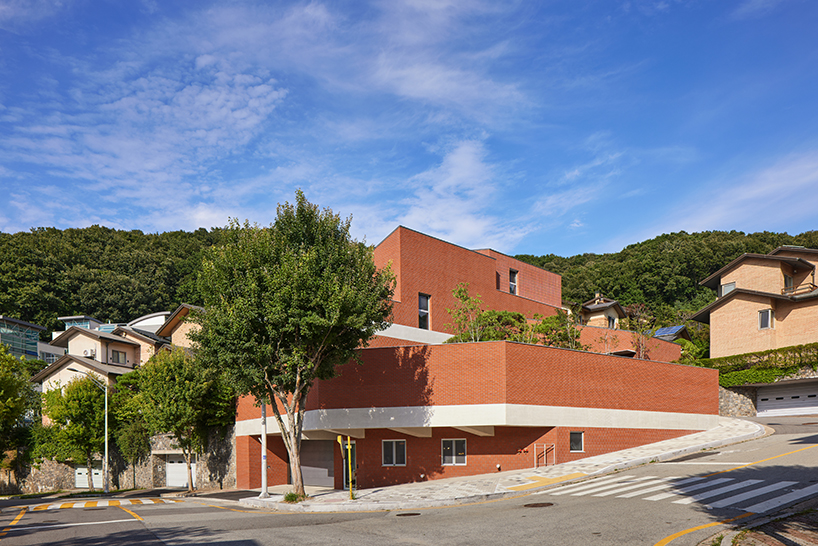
81,476
176,471
795,398
317,462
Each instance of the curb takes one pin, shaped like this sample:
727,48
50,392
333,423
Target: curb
389,506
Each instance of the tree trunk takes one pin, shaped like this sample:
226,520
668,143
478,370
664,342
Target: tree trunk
291,434
295,463
188,455
133,467
90,468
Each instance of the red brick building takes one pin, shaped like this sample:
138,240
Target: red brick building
418,410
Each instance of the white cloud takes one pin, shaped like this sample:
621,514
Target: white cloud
755,8
15,14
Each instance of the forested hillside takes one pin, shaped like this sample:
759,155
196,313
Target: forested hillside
662,273
120,275
108,274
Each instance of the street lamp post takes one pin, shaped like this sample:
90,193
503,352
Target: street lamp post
104,386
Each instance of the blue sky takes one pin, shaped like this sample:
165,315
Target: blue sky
531,127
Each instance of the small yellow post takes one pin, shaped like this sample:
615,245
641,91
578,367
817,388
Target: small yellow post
349,462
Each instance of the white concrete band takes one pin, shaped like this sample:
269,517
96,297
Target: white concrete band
485,415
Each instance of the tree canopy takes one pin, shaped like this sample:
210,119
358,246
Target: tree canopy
286,304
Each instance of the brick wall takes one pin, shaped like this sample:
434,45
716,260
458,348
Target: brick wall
734,327
604,340
433,267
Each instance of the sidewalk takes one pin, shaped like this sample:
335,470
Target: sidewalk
451,491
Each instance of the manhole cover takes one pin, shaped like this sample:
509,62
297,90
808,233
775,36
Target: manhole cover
408,514
538,505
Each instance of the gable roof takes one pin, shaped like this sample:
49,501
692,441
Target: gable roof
713,280
599,304
704,315
145,335
105,369
62,339
672,333
175,318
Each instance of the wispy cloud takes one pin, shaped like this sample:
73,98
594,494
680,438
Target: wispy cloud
16,14
755,8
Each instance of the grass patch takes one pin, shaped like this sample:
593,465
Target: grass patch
294,498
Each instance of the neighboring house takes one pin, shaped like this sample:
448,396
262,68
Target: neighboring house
20,337
176,326
601,312
672,333
418,409
764,302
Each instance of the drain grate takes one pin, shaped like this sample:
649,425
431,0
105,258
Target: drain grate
538,505
403,514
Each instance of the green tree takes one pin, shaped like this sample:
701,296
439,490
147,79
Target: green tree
133,436
77,424
16,398
286,305
560,330
179,395
466,323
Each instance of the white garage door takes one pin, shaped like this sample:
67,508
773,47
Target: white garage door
792,399
176,471
81,477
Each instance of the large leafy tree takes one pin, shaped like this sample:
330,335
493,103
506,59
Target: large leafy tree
16,398
285,305
175,393
76,432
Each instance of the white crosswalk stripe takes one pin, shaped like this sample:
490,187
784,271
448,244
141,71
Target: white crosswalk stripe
688,489
725,492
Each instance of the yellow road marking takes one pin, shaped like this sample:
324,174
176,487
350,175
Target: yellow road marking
674,536
114,503
540,481
67,505
761,461
136,501
14,522
41,507
132,513
91,504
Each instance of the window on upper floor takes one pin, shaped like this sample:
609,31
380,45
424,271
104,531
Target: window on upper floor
766,318
726,288
423,311
787,284
118,357
512,281
611,323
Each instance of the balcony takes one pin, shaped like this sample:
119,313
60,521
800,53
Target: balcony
801,289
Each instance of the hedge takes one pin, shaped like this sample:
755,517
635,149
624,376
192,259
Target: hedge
762,366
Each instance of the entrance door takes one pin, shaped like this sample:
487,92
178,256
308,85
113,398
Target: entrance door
176,471
346,468
788,399
317,462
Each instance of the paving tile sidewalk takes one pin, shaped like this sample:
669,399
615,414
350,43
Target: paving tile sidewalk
468,489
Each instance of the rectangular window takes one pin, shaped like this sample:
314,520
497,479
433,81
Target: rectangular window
611,323
576,442
423,311
117,357
454,452
726,288
765,319
787,284
512,281
394,453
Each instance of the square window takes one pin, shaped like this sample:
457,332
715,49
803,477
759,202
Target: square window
512,281
394,453
454,452
576,441
423,311
765,319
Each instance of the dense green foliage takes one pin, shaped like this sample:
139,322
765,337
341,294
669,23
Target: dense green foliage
16,398
173,393
77,429
472,323
662,273
762,366
108,274
286,305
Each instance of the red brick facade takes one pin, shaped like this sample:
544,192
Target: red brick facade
502,398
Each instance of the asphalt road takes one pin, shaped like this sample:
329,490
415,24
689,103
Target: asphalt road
616,509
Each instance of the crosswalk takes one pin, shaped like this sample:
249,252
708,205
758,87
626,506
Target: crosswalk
756,496
100,503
